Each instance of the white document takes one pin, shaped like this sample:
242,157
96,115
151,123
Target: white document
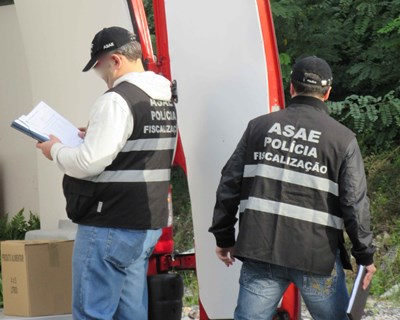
43,121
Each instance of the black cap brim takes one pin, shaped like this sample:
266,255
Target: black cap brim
92,62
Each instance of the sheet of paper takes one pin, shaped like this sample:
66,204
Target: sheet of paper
43,119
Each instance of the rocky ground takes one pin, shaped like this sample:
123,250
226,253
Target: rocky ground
190,313
375,310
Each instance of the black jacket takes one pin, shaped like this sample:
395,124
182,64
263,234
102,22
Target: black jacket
297,176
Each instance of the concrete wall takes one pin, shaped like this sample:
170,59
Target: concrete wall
45,44
18,161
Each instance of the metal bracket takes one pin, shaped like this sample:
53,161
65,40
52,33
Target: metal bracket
174,89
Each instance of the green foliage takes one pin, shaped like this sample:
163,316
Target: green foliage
18,226
360,39
191,285
393,25
387,258
183,225
375,120
148,8
383,175
183,232
286,68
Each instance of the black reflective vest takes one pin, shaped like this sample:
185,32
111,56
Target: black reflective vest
132,191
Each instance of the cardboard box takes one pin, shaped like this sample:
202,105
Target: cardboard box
37,277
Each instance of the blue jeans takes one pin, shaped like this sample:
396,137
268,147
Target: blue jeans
110,273
262,286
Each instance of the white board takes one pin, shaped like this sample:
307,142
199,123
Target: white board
217,57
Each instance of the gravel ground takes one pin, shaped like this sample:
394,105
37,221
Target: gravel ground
375,310
190,313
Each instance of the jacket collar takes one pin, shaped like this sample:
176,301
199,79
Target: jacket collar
310,101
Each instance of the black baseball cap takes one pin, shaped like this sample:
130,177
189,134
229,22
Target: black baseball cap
312,71
107,40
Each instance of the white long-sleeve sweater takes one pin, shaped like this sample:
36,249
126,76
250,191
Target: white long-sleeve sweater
110,125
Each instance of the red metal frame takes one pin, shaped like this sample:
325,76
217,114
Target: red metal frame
275,88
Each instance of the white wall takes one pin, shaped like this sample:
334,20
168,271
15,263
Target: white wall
57,35
18,162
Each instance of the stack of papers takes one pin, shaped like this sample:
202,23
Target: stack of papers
43,121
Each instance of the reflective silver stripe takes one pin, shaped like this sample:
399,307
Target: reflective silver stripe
133,176
149,144
286,175
292,211
242,205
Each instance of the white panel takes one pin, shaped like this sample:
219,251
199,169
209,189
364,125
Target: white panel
218,59
57,35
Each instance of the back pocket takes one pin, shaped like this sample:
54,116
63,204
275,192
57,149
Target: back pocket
124,246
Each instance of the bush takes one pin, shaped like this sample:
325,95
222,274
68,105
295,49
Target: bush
383,174
183,224
359,39
377,124
375,120
18,226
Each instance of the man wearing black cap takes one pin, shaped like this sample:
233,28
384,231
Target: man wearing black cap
116,182
298,179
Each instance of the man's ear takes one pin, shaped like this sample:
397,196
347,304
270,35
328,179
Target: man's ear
116,61
326,96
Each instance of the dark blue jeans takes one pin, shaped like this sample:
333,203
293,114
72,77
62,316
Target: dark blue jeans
262,286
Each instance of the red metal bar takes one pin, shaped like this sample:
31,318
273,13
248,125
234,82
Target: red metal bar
275,89
160,25
140,26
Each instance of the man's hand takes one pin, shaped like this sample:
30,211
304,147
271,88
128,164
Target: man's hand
46,146
368,277
82,132
225,255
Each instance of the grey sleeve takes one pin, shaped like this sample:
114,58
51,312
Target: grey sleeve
228,197
354,204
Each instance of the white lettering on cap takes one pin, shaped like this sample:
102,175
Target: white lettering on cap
108,45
